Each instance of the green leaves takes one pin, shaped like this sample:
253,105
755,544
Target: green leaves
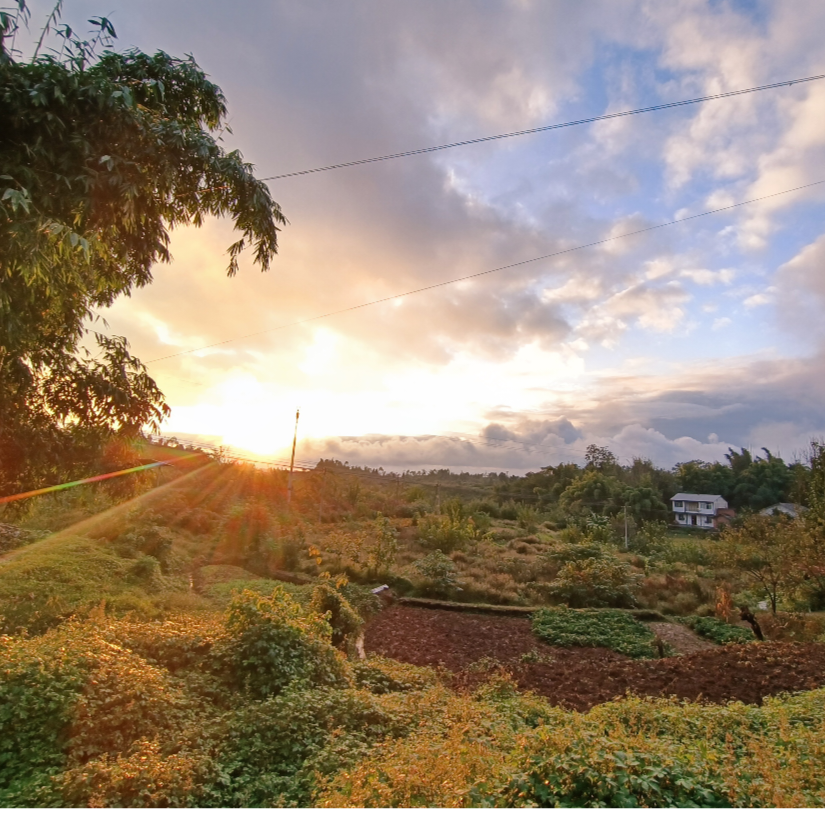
102,157
612,629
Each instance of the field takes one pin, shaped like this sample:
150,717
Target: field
470,645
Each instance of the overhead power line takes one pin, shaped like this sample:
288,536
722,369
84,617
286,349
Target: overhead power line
552,127
484,272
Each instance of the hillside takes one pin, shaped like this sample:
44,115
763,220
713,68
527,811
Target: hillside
154,659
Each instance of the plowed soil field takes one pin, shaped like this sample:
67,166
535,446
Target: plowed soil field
580,678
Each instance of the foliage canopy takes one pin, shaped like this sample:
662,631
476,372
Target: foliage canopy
101,158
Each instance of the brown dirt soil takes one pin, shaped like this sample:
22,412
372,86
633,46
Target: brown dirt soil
680,638
580,678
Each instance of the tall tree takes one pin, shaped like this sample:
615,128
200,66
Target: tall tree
101,157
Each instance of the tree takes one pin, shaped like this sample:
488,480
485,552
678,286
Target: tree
592,490
101,158
763,548
599,458
644,503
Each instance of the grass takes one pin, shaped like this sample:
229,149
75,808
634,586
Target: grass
60,577
613,629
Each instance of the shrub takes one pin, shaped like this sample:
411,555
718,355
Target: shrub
651,538
575,552
508,511
345,622
146,571
605,582
146,539
490,508
379,675
442,533
439,571
718,631
527,517
598,528
591,772
274,643
369,552
612,629
146,777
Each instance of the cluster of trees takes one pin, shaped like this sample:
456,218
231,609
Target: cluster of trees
783,558
605,486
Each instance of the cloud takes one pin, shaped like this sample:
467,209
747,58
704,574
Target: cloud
311,84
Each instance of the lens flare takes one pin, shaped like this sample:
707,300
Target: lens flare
103,477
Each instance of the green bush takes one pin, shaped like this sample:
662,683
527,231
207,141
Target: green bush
273,643
613,629
508,511
444,533
527,517
595,582
575,552
651,538
345,622
592,773
379,675
439,571
149,540
718,631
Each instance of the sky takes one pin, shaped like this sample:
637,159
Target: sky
674,344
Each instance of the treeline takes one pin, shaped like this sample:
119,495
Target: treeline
604,486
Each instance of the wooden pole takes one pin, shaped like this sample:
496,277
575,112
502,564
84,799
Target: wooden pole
292,460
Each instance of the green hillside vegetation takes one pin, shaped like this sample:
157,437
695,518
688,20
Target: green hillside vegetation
152,660
258,708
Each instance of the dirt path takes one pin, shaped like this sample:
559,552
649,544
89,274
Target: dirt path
682,639
580,678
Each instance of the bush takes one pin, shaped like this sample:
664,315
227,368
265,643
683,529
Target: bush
149,540
443,533
490,508
591,772
612,629
575,552
64,576
379,675
274,643
345,622
527,517
709,627
604,582
508,511
651,538
439,571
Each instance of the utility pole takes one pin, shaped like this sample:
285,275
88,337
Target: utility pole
292,460
625,528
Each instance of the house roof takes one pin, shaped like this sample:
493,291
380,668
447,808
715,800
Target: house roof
787,507
695,497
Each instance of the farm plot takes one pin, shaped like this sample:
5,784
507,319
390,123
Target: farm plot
466,644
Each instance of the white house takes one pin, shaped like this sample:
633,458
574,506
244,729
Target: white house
697,510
